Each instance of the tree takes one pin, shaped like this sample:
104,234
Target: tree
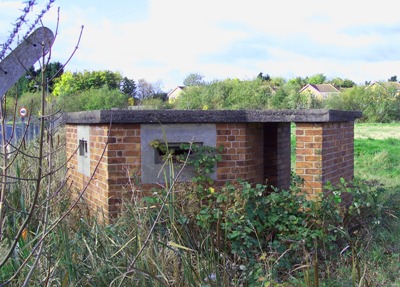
72,82
263,78
28,83
163,96
380,103
66,84
277,81
53,71
299,81
279,99
93,99
348,83
98,79
342,83
158,93
316,79
349,99
144,89
227,94
194,79
128,87
393,79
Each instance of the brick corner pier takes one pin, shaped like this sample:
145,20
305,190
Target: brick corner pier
111,145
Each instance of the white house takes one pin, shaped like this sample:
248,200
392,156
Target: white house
320,91
175,93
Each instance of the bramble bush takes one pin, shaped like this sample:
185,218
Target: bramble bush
267,233
237,234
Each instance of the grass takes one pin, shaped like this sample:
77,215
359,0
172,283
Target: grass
377,131
377,153
377,159
82,252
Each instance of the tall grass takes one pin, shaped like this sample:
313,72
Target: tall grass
378,160
377,153
264,238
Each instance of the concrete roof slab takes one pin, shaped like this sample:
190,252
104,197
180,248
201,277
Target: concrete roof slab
209,116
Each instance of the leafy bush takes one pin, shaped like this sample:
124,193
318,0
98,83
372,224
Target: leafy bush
378,104
228,94
94,99
198,234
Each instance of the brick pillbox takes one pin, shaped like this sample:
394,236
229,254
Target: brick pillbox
256,148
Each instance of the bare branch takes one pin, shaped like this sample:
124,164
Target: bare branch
73,52
63,216
170,190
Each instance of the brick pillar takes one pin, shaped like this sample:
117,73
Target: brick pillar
96,193
242,156
124,159
71,132
111,180
277,154
324,152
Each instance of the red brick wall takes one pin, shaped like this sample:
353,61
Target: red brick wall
71,146
277,154
324,152
121,159
242,156
254,152
124,160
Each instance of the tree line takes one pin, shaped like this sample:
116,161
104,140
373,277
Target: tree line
93,90
76,91
379,103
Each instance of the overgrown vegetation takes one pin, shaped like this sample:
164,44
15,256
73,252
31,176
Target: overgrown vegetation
106,89
377,154
197,234
379,103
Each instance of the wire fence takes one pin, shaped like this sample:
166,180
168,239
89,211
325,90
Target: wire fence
15,132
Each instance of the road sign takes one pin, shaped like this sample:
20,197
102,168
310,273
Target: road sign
23,57
23,112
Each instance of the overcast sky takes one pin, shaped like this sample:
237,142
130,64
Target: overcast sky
165,40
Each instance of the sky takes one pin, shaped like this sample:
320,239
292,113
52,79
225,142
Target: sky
163,41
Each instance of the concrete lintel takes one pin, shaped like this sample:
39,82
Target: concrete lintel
209,116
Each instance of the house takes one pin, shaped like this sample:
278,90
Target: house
320,91
175,93
388,86
271,89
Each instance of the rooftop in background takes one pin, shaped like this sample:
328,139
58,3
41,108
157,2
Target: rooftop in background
175,93
320,90
395,85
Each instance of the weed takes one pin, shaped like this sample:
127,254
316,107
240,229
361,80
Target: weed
236,235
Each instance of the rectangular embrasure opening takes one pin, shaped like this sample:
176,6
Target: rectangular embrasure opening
83,148
177,150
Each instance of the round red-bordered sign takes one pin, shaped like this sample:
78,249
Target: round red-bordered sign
23,112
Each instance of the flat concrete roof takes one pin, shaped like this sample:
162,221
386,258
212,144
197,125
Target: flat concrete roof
209,116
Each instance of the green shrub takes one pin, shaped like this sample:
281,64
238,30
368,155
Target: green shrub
93,99
237,234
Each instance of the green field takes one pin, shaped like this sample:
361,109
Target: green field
377,153
377,131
